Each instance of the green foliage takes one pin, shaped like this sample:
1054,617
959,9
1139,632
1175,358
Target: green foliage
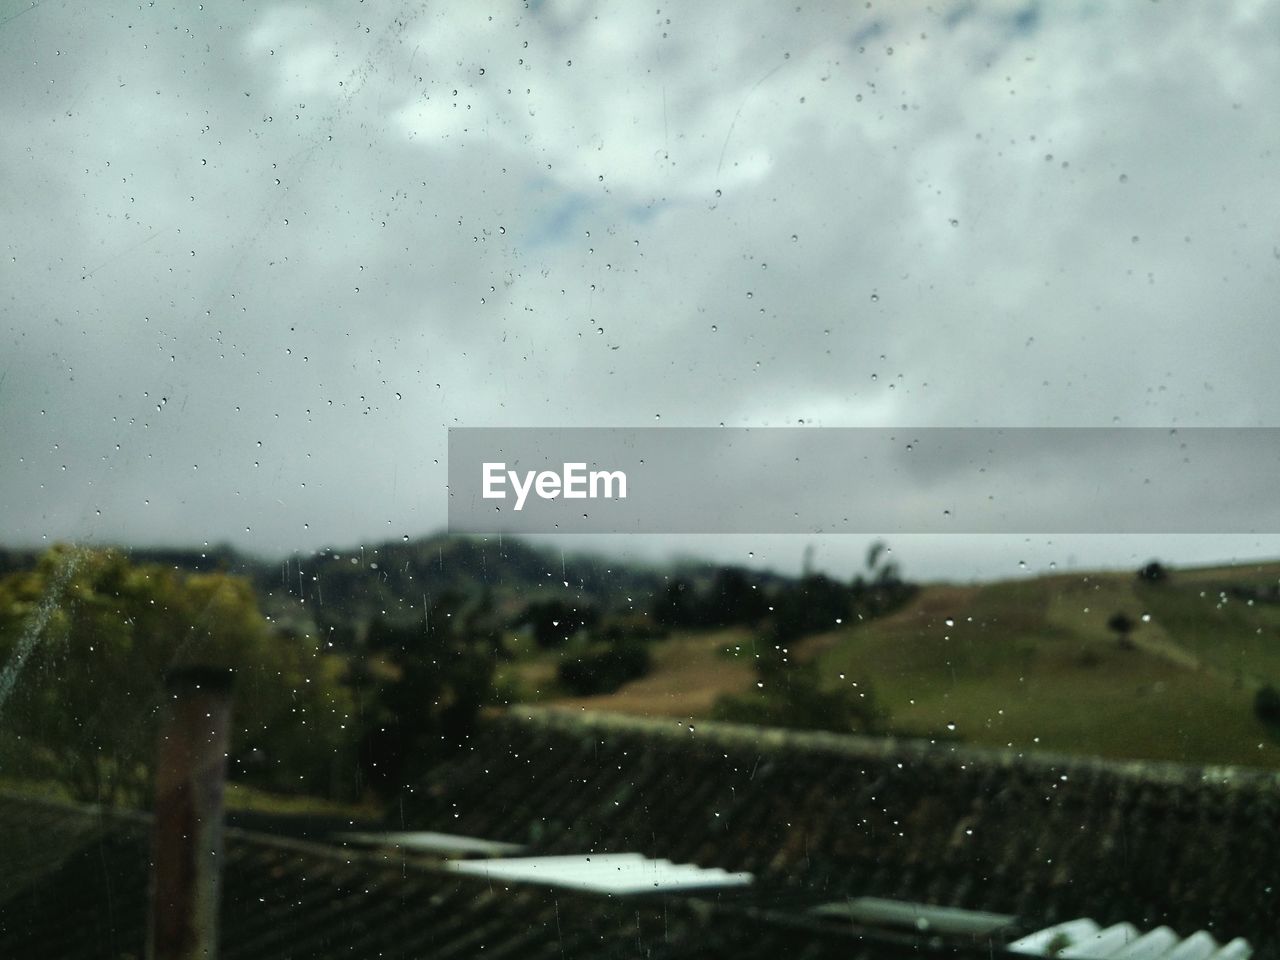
678,605
605,670
629,626
1154,572
86,639
795,697
554,621
734,598
882,590
731,596
1123,625
421,685
814,605
1266,705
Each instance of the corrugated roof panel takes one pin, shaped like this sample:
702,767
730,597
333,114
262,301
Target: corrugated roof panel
428,841
1199,946
1083,939
1237,949
603,872
876,911
1107,942
1153,945
1043,942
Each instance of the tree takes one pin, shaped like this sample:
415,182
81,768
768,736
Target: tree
813,605
555,620
86,639
734,598
790,693
882,590
678,605
1266,705
605,669
1123,625
422,686
1153,572
793,696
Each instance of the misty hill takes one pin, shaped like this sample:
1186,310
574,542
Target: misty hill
339,590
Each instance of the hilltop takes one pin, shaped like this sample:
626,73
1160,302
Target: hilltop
1030,664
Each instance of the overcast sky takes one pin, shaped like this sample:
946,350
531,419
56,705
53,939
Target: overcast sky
258,257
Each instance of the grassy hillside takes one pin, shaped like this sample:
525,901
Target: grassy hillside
1032,663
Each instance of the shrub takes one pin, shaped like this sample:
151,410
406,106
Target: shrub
1123,625
605,670
1266,705
795,698
1154,572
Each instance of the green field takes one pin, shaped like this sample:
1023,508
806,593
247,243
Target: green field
1032,664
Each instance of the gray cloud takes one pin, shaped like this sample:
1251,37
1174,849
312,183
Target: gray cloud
260,257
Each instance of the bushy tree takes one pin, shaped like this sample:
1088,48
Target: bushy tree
1153,572
678,605
555,620
790,693
882,589
732,596
813,605
605,669
735,597
1122,625
794,696
1266,705
86,639
421,686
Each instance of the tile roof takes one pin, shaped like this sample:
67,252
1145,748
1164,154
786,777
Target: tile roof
75,886
817,820
817,817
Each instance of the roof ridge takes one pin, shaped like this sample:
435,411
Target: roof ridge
776,739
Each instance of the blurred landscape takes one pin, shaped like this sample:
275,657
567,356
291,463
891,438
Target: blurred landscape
358,669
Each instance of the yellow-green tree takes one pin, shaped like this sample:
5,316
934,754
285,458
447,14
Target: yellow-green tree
86,639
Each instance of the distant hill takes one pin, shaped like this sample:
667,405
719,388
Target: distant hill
394,580
345,587
1032,664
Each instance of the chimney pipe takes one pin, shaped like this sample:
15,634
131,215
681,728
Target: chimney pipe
186,840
